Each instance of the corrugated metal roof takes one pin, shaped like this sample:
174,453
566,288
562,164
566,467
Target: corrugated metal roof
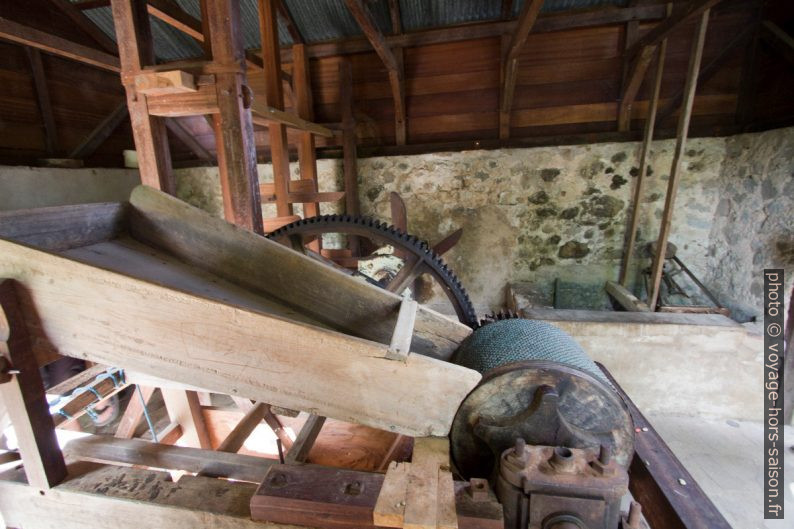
322,20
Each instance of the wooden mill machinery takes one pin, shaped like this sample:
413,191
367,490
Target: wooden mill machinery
514,425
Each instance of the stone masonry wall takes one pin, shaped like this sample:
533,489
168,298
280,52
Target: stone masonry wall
537,215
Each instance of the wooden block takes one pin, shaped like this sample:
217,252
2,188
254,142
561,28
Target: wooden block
390,507
422,493
161,83
626,299
447,517
404,331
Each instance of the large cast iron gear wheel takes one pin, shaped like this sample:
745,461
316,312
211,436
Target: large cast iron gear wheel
419,257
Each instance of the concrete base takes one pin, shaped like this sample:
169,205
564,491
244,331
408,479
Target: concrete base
684,364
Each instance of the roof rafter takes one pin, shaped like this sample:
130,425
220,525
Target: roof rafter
393,63
526,20
86,25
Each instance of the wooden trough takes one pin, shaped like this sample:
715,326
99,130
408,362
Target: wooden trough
158,287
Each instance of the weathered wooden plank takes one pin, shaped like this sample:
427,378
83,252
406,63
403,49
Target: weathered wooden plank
390,507
299,452
232,350
27,36
673,22
135,498
626,299
63,227
696,56
400,345
266,115
24,398
253,417
264,266
421,495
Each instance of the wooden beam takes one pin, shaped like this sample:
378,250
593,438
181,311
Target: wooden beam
394,66
27,36
395,16
307,156
708,70
235,350
639,186
267,115
509,64
544,24
137,452
173,15
184,409
242,431
136,50
675,172
286,17
636,74
43,100
132,415
165,82
187,139
237,151
780,41
101,132
299,452
673,22
24,398
626,299
86,25
279,150
350,163
133,496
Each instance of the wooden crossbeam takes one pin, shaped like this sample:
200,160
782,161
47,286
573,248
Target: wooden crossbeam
393,63
101,132
636,74
696,56
86,25
242,431
673,22
299,452
173,15
396,18
27,36
184,409
267,115
781,41
43,99
509,66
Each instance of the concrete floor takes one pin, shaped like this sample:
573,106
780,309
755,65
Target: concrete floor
726,459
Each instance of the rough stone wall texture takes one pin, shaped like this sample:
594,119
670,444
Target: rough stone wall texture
536,215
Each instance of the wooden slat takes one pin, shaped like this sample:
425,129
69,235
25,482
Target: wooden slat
184,409
27,36
509,64
106,449
43,99
400,345
421,495
170,434
675,172
299,452
390,507
85,24
24,398
101,132
662,30
267,115
394,65
80,379
198,239
134,413
170,13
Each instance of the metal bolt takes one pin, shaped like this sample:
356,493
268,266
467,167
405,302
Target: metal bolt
635,513
6,370
682,482
604,455
519,447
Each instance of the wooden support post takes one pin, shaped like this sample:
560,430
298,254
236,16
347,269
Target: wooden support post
675,172
184,409
307,157
404,331
134,412
393,64
102,132
348,137
43,100
299,452
136,50
647,139
509,65
274,97
236,151
22,392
